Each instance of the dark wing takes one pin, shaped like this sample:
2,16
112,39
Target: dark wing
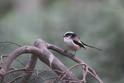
91,46
78,43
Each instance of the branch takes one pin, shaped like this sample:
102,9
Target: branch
18,77
53,61
41,50
30,66
43,54
9,72
86,68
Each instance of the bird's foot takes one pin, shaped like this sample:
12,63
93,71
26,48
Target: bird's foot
74,54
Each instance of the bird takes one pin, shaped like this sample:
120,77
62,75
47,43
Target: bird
73,42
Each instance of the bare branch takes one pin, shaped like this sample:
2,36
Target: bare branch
76,59
1,58
12,71
30,66
42,44
41,50
43,54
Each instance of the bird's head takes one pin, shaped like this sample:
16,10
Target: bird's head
70,34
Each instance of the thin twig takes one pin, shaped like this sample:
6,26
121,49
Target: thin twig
18,77
9,42
2,56
64,74
23,69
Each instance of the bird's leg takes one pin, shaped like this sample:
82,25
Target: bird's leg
74,54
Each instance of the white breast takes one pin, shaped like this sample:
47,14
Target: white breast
68,41
71,45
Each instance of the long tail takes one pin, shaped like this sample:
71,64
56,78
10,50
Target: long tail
92,47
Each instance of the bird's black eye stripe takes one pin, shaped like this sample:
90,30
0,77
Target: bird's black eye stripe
69,34
73,35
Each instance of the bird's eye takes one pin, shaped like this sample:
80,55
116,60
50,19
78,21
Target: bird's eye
66,35
73,35
70,34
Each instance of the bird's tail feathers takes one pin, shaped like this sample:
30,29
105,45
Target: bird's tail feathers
92,47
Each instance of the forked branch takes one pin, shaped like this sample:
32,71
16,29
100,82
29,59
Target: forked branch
41,50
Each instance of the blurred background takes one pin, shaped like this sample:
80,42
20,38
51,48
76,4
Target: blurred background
99,23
